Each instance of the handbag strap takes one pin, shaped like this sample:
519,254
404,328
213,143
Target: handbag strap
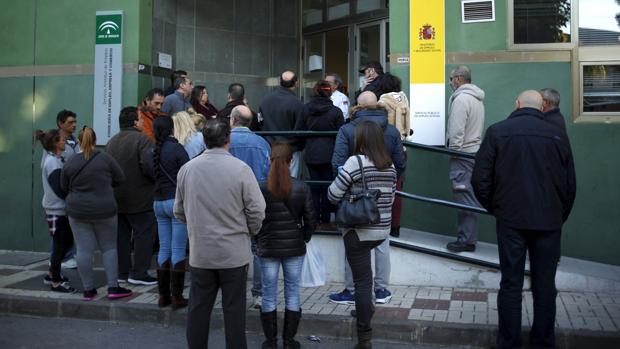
167,174
81,168
359,161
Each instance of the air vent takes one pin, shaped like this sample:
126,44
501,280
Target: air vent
478,11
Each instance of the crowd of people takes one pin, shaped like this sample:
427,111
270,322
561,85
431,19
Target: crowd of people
182,174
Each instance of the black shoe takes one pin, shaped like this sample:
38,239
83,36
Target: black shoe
147,280
395,232
118,292
47,279
63,287
458,246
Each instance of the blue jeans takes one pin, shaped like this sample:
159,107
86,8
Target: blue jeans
270,267
256,279
172,233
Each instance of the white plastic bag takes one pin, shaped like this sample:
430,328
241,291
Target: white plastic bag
313,268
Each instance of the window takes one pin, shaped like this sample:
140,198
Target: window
368,5
312,12
337,9
601,88
599,22
540,24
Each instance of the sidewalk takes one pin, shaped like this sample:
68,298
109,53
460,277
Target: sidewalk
422,315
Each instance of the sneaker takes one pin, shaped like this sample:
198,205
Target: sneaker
147,280
382,296
118,292
344,297
47,279
459,246
63,287
69,264
89,295
122,281
258,301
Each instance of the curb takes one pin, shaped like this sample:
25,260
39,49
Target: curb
404,331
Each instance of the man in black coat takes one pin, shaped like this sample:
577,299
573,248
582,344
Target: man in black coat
236,97
281,110
551,107
524,175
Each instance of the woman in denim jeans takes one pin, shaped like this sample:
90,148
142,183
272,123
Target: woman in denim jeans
380,174
288,225
168,158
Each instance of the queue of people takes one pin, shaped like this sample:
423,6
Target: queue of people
185,173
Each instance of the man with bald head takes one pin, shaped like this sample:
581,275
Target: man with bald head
367,110
524,175
255,152
281,110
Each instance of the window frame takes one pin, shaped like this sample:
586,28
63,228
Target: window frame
542,46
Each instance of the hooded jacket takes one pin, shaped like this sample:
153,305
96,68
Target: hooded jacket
345,140
397,106
320,114
466,118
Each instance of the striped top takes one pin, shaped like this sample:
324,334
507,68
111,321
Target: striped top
349,177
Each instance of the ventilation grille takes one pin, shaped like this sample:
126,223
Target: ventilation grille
478,11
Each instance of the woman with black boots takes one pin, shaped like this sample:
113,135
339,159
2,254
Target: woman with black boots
168,158
289,223
369,168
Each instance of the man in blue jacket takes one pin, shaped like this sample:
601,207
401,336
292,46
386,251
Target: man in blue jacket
255,152
366,109
524,175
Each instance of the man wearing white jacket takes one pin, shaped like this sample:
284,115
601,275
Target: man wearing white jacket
465,125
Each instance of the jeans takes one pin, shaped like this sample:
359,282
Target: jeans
544,251
291,267
322,206
383,268
205,284
463,193
257,286
358,256
172,233
144,227
87,235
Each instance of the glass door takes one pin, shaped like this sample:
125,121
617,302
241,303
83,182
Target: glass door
371,45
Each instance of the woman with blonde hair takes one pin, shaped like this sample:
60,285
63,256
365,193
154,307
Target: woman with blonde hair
187,135
199,120
89,178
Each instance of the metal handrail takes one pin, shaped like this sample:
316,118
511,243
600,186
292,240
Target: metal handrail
430,148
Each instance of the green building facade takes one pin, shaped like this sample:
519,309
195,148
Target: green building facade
47,64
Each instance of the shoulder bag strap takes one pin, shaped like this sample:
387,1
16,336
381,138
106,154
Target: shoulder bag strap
80,169
359,161
167,174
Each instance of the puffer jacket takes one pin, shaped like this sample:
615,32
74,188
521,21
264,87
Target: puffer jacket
320,114
283,234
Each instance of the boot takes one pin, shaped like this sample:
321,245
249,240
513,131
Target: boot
291,322
178,282
163,284
270,328
363,340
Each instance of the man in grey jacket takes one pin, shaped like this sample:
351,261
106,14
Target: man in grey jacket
465,125
219,199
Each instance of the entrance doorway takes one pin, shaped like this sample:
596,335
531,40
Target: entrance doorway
332,51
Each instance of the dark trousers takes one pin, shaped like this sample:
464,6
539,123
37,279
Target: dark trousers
544,253
144,227
322,206
62,242
205,284
358,256
398,202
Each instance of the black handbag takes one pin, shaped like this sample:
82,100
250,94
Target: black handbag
359,207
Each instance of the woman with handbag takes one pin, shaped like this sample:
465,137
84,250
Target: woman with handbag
168,158
89,178
364,190
289,223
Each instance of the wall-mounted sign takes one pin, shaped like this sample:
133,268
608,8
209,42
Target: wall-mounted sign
427,71
164,60
108,74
